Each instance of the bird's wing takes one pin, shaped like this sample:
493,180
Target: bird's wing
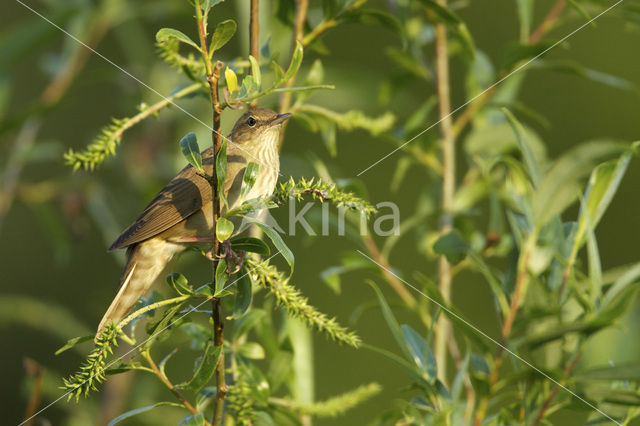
182,197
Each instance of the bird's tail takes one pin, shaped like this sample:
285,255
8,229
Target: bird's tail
145,261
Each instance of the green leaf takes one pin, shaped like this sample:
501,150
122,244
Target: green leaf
624,372
575,68
251,350
603,184
221,277
255,71
375,17
166,34
391,321
243,296
72,342
251,244
452,246
527,153
617,299
560,186
294,65
222,34
221,171
192,420
160,328
517,52
249,179
205,367
525,15
208,4
408,62
277,241
140,410
224,229
179,283
191,151
315,76
422,355
243,325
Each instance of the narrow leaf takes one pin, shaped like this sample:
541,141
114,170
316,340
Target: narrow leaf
179,283
205,368
221,171
191,151
255,71
72,342
140,410
277,241
249,179
243,296
392,323
251,244
166,34
221,277
296,60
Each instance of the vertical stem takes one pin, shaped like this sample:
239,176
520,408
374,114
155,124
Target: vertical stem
213,75
254,33
298,35
218,325
443,328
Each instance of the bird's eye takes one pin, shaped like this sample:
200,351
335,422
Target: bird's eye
251,121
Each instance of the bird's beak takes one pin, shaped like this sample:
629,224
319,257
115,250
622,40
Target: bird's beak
279,119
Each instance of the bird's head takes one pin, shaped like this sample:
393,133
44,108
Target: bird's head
258,125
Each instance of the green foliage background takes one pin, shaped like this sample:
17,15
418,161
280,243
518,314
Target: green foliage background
57,279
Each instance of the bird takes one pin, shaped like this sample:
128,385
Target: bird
181,214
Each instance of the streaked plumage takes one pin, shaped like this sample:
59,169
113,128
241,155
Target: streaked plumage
182,211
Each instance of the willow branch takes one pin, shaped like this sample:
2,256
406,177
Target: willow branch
542,29
391,279
327,24
254,35
548,22
35,370
554,392
443,327
300,18
164,379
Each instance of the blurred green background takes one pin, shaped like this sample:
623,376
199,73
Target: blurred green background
55,235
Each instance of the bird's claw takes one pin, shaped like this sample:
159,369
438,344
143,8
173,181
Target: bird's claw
235,260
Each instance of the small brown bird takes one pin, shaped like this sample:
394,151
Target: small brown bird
182,215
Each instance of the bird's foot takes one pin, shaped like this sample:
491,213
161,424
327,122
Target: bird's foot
235,260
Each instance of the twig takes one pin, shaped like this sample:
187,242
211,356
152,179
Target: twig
213,75
324,26
443,327
222,387
522,281
298,34
163,377
35,370
556,388
471,393
395,284
254,35
50,96
544,27
547,22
